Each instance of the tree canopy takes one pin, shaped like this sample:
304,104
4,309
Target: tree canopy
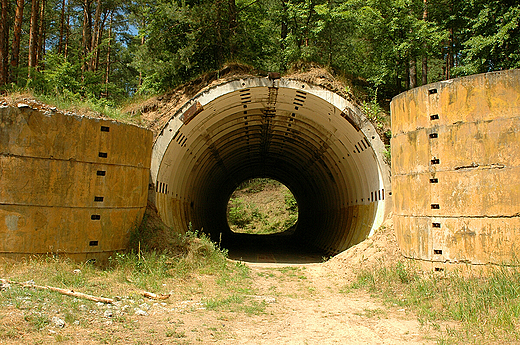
113,49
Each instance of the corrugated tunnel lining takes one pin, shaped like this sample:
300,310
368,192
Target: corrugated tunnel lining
308,138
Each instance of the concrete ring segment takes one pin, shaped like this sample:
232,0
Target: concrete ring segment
315,142
456,169
69,185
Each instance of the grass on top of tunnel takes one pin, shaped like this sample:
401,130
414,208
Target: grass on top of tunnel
476,308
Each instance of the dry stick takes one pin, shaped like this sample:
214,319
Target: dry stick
73,293
155,296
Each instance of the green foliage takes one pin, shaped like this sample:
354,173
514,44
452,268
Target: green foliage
245,215
37,320
155,45
493,38
487,305
237,303
147,269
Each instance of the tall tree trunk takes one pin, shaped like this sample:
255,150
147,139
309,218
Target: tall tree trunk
62,26
283,32
87,32
232,28
142,44
15,47
424,62
4,43
107,71
67,34
424,72
41,33
95,35
220,43
99,36
33,36
412,73
449,55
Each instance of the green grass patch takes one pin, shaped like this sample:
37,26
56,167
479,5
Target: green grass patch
484,307
236,303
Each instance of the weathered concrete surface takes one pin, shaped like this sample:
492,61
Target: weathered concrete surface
456,169
315,142
70,185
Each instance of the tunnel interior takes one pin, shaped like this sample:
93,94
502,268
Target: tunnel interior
311,140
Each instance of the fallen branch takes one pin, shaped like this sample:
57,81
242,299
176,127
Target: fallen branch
152,295
72,293
67,292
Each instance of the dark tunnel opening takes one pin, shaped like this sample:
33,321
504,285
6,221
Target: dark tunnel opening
313,141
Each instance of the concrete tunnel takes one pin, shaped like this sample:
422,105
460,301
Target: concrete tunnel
317,143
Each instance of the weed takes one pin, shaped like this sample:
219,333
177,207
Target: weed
375,113
236,303
171,333
486,307
37,320
8,333
370,313
60,338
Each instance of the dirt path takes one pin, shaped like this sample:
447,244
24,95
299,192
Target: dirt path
303,305
316,311
299,304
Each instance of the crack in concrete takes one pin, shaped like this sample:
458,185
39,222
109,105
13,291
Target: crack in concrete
482,167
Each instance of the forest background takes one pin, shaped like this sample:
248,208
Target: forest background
112,50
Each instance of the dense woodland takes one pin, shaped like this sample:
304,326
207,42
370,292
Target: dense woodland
114,49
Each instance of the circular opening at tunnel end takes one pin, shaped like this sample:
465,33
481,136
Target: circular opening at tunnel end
262,206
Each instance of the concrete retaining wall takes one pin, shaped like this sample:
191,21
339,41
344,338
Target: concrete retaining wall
69,185
456,169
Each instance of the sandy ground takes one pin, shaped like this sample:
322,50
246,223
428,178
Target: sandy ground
300,304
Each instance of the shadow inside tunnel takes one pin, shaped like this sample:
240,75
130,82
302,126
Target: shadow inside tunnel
277,248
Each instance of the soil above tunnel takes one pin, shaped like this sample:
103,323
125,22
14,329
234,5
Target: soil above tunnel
156,111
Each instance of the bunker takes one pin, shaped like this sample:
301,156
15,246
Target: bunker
77,186
69,185
456,170
315,142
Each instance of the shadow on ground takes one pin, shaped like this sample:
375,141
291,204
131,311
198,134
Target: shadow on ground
277,248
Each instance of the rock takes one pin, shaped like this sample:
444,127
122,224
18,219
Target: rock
144,306
108,314
57,322
270,300
23,105
140,312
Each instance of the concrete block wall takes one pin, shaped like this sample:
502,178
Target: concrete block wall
69,185
456,169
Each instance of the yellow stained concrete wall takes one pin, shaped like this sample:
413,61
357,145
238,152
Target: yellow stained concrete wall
70,185
466,207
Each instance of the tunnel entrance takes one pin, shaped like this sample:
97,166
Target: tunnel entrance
308,138
262,206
